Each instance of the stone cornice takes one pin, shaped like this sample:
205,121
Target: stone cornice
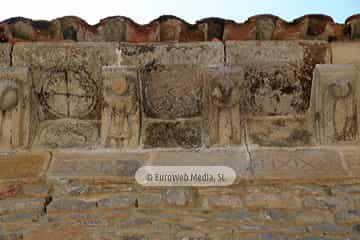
170,28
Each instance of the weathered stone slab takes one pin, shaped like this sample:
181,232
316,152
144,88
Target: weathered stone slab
278,73
222,105
23,205
67,79
120,120
23,166
172,134
280,131
335,103
70,205
115,166
5,54
297,163
171,92
15,106
346,53
201,53
237,159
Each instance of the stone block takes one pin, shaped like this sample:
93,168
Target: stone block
280,131
278,73
25,205
328,228
225,202
200,53
36,190
346,53
335,104
310,217
328,202
272,200
70,205
117,201
297,163
148,200
181,196
114,166
233,216
5,54
120,119
173,134
67,80
222,105
23,166
348,217
15,106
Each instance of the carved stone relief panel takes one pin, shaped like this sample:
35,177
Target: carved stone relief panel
120,124
171,92
222,105
335,103
172,105
278,73
15,107
67,90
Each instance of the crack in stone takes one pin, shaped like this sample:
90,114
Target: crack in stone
11,54
225,62
47,202
49,164
251,165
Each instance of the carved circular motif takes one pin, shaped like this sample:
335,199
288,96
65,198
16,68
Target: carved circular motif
68,93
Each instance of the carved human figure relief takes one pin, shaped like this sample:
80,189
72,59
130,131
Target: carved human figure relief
14,107
120,118
335,103
264,28
222,103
